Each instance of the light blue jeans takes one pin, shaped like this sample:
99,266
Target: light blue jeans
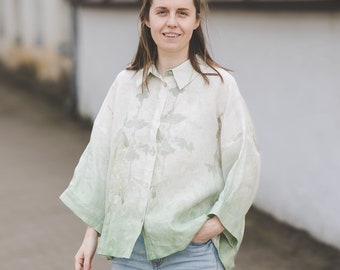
197,256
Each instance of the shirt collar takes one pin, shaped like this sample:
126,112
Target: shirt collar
183,74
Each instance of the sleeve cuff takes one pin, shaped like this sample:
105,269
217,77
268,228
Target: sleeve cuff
234,226
81,211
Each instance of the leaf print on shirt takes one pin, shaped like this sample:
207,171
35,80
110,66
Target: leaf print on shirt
131,154
166,148
217,155
142,96
164,144
122,140
173,118
183,144
175,91
168,144
213,167
147,149
136,123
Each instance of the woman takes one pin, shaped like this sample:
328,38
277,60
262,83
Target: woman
172,164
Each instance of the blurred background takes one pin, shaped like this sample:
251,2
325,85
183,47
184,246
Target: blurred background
58,59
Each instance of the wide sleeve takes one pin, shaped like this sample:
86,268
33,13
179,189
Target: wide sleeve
240,162
85,195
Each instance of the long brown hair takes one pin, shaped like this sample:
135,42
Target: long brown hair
147,54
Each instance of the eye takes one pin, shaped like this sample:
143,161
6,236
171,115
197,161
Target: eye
183,13
161,12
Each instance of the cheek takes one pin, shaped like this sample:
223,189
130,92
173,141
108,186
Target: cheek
190,31
155,27
154,30
190,27
155,36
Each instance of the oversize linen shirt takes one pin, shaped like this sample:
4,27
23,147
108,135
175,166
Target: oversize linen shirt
164,160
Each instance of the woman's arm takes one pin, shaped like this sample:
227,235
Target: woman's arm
84,256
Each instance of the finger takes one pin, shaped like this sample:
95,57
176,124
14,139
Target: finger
78,266
79,263
87,263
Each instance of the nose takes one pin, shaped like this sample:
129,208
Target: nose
172,20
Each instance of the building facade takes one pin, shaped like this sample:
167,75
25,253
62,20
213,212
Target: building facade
286,60
36,39
285,56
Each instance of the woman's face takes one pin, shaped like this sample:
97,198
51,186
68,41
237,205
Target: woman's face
172,23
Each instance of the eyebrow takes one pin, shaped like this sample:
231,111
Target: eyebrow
180,9
184,9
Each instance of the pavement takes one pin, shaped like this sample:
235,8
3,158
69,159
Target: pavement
40,145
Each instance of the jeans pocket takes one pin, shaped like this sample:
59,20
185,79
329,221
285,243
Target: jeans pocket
199,244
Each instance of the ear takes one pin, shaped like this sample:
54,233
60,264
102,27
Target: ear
197,23
147,23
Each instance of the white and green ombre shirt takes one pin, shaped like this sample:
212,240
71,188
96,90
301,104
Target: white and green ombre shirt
162,161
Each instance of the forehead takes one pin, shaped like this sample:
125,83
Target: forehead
179,4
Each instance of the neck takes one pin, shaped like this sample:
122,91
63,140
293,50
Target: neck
169,61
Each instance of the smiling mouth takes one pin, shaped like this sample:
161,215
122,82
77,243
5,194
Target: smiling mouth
171,35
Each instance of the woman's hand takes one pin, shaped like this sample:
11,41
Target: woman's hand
84,256
209,230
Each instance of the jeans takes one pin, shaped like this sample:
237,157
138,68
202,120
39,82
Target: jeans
197,256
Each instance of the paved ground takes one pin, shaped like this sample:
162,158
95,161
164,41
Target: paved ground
39,147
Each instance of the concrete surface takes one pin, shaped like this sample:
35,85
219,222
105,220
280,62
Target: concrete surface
39,148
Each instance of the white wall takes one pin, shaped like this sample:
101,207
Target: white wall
8,25
288,68
107,40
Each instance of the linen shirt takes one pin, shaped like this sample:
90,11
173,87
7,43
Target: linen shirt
162,161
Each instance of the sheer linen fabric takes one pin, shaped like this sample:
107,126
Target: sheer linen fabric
164,160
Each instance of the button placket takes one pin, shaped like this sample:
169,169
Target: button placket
151,155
